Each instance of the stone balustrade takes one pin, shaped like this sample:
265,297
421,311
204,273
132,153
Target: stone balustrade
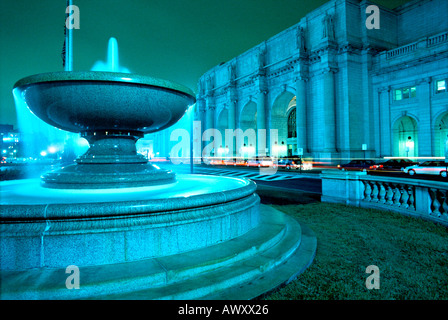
419,198
435,40
401,50
410,52
412,47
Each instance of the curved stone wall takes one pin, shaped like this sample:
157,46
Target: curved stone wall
58,235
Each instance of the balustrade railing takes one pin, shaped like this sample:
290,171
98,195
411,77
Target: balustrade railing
412,47
401,50
435,40
421,198
389,193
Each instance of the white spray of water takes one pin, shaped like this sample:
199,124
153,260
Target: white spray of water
38,136
112,64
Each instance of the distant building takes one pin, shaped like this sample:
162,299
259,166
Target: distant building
334,89
10,146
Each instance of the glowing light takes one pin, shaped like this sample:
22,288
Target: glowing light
248,149
82,142
52,149
43,153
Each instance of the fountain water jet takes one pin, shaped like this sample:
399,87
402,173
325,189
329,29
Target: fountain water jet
133,230
113,63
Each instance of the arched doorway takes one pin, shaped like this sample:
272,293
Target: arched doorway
282,119
441,135
405,137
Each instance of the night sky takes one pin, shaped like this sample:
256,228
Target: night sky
177,40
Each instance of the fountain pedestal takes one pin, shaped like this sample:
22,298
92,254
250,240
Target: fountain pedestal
112,161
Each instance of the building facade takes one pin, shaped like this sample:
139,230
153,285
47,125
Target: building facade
10,142
329,87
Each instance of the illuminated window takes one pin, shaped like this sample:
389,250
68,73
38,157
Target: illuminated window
405,93
441,86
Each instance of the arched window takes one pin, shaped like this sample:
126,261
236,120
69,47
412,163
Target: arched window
292,129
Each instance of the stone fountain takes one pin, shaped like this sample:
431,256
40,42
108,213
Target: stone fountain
133,230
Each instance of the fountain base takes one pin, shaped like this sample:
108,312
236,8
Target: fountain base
112,161
104,176
202,237
270,255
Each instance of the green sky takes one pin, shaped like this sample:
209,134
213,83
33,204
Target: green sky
178,40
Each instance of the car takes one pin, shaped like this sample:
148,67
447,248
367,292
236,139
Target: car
252,162
228,162
216,162
393,165
294,163
428,167
240,162
261,162
357,165
289,163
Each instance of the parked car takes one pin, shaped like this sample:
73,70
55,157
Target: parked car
428,167
240,162
357,165
260,162
393,165
228,162
289,163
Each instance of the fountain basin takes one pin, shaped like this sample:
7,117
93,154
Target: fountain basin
55,228
79,101
112,111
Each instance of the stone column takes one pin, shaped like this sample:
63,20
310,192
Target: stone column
210,124
232,126
386,135
301,113
425,131
198,130
329,110
261,87
262,141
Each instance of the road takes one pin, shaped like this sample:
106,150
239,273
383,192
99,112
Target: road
307,182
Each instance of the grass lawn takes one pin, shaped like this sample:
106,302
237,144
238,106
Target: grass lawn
411,254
